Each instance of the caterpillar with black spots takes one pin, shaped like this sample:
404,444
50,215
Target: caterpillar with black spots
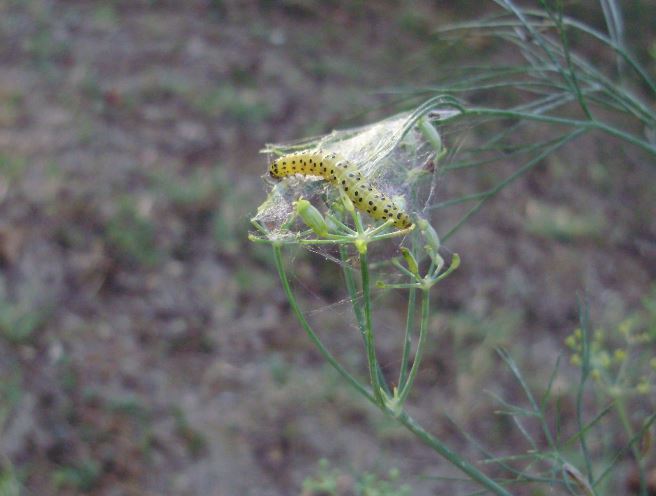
343,174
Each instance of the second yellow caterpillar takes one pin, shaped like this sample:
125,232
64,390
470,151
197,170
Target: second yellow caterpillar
344,174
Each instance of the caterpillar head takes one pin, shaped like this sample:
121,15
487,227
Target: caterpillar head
274,170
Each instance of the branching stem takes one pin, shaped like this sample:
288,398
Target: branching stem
401,415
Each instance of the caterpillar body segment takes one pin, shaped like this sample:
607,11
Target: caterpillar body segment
343,174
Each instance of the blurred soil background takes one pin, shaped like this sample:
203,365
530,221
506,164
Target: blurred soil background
146,346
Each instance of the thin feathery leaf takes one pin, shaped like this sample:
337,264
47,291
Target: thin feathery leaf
584,321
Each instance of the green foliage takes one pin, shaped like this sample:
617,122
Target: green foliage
18,323
531,110
9,482
623,360
10,394
137,411
206,194
415,22
44,49
194,440
44,45
329,481
622,364
198,191
536,107
12,168
558,222
82,476
10,110
105,16
131,406
243,105
131,235
475,338
346,232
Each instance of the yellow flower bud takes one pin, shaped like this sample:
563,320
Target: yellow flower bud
643,386
619,355
360,245
570,342
625,328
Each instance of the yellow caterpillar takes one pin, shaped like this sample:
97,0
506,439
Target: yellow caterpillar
343,174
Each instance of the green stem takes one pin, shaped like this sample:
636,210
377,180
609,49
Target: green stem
584,319
402,269
576,123
618,133
620,405
277,255
351,288
407,341
452,457
423,331
369,340
570,22
357,308
407,421
620,454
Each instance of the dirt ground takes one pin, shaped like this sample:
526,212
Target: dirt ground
146,347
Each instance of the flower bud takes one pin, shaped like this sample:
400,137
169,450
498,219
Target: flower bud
410,261
312,217
431,135
455,262
429,234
